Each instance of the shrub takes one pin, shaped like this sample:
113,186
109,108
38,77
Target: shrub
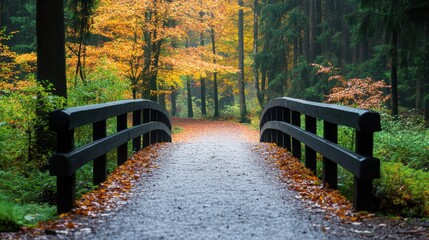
103,85
404,140
402,190
19,117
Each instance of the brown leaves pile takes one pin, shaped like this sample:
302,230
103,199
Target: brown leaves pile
308,186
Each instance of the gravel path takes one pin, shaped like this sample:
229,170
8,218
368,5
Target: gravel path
213,187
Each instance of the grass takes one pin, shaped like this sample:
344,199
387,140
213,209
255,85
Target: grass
21,199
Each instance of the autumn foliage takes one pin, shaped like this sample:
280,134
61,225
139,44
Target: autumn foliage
363,93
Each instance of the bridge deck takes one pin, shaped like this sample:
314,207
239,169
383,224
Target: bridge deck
211,185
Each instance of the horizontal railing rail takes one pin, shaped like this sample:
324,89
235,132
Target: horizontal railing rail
281,124
150,125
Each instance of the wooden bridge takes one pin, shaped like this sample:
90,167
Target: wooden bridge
280,124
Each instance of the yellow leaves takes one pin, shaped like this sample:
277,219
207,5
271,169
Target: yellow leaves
196,62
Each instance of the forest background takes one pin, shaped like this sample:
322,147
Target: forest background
221,59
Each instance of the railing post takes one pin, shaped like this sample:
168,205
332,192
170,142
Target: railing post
362,191
330,172
100,164
310,154
66,185
153,118
122,150
286,118
296,145
146,119
137,119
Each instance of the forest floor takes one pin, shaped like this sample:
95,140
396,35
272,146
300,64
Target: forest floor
216,181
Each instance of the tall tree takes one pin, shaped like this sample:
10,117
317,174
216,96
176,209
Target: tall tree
51,67
203,84
389,14
202,78
241,80
259,93
189,97
215,82
1,14
51,62
80,31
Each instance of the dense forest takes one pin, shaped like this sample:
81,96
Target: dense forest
217,58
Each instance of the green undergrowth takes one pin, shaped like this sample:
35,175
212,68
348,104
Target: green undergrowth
24,199
403,149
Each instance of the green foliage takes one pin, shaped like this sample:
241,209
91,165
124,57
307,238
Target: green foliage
13,216
404,140
403,191
19,116
231,112
103,85
403,148
8,221
31,187
23,198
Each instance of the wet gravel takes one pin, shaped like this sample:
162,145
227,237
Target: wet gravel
211,189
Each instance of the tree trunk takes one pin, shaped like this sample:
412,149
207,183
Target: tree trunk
215,86
259,94
154,73
425,91
145,88
51,70
188,89
315,19
241,81
263,84
345,48
305,4
394,73
203,81
162,101
203,96
1,14
51,62
174,94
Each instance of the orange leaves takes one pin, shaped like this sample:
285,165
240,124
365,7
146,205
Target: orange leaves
308,186
116,188
109,194
364,93
194,128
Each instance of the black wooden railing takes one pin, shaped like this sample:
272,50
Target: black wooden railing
281,124
150,124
